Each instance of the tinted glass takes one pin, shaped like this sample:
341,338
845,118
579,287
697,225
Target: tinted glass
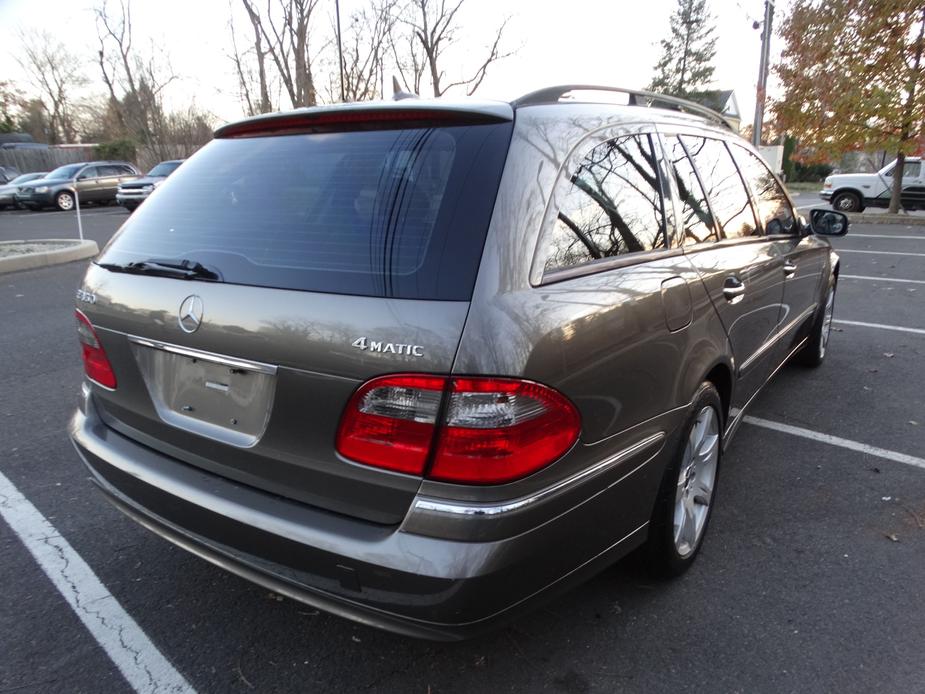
164,169
696,223
612,206
724,186
67,171
110,170
774,208
399,213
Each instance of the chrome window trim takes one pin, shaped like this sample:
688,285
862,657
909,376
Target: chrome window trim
231,362
468,509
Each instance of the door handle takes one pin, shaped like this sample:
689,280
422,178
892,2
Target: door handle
789,269
733,289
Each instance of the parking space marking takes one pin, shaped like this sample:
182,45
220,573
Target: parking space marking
849,250
881,326
836,441
137,658
878,279
886,236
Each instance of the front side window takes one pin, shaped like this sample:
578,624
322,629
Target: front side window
612,206
724,185
774,208
696,223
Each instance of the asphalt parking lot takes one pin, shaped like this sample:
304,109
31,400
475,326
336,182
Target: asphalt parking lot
810,579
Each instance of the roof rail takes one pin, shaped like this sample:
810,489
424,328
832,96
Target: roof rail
637,97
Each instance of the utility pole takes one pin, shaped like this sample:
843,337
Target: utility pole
340,51
763,72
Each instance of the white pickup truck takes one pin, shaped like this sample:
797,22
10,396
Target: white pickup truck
854,192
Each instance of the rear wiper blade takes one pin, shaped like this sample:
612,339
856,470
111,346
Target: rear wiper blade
184,269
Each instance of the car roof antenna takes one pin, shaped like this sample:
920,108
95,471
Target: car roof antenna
398,94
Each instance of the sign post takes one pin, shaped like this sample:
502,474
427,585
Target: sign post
80,228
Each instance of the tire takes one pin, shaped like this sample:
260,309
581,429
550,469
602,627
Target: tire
847,202
688,489
64,201
816,347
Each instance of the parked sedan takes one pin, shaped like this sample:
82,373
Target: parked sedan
133,193
95,181
7,190
8,173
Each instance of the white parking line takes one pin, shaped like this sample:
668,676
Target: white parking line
881,326
887,236
117,633
878,279
848,250
836,441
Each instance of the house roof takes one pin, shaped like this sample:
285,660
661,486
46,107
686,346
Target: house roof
720,100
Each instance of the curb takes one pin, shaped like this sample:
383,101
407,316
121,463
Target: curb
76,250
897,219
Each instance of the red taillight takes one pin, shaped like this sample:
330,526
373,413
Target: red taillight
492,430
96,364
498,429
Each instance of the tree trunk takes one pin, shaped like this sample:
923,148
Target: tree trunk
896,194
906,133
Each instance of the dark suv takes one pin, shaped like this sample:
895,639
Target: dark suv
95,181
422,364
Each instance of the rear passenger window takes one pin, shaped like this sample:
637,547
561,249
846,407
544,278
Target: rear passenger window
724,185
697,224
612,206
774,208
110,171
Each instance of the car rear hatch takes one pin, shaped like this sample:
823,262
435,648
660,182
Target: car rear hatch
290,260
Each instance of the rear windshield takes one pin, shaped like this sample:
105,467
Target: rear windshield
397,213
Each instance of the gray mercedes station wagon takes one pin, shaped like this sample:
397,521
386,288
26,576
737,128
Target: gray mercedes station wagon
422,364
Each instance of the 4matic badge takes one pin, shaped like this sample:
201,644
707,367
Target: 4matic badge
368,345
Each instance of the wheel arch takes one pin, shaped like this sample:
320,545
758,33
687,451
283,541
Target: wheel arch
720,375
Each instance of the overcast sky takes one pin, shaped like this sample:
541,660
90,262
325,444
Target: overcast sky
575,41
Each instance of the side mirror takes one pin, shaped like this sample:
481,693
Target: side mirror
828,223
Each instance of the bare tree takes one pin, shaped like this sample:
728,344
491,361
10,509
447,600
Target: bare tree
57,74
251,69
282,34
366,46
140,76
431,27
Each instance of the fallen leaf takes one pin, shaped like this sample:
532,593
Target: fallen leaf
889,355
913,422
886,498
891,537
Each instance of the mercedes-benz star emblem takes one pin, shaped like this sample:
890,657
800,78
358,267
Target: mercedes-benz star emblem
190,314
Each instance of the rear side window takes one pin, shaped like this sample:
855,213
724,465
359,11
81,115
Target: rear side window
774,208
612,205
725,187
394,213
696,223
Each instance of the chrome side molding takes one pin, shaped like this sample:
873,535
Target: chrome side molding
462,508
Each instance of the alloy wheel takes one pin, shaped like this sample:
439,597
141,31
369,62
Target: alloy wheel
696,481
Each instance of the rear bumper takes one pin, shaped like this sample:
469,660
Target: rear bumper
383,576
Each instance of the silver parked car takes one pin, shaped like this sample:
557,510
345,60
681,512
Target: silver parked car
424,364
132,193
8,189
